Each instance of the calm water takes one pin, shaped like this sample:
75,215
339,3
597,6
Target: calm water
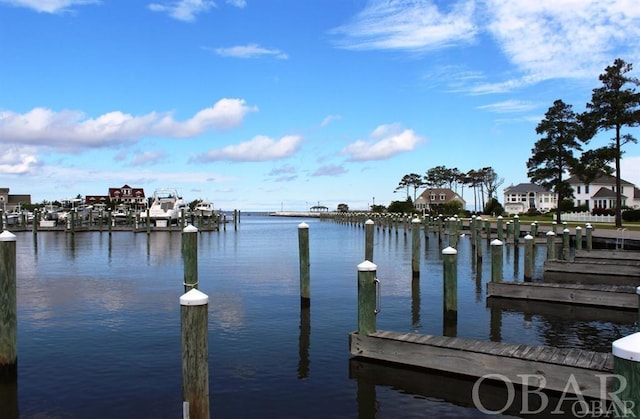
99,324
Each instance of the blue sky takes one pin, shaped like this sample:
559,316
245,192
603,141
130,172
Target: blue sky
283,104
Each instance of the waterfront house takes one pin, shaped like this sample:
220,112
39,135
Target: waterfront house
128,196
431,198
523,197
11,203
601,193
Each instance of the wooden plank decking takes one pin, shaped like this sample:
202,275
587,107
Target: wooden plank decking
619,296
554,366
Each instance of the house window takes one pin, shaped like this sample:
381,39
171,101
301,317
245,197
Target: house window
578,189
432,197
578,202
586,188
442,197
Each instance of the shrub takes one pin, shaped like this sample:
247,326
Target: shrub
602,211
631,215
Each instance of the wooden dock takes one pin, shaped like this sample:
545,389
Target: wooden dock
619,296
556,366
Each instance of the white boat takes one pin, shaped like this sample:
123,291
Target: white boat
166,207
204,209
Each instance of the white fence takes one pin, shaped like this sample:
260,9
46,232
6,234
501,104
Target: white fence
586,217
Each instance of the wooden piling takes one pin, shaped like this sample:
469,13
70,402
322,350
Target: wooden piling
499,228
479,238
194,308
551,245
589,237
415,247
496,260
528,257
565,244
190,257
626,366
8,308
638,318
303,247
450,283
368,240
516,229
578,238
367,297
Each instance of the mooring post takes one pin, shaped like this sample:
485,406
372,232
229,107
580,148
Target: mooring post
589,237
565,244
303,247
453,232
472,230
8,308
499,228
368,297
534,231
368,240
626,367
551,245
496,260
36,220
415,247
516,229
450,281
109,223
554,227
479,238
578,238
638,318
509,232
235,219
190,256
528,257
194,308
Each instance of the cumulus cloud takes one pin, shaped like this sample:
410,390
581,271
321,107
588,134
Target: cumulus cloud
260,148
250,51
185,10
386,141
18,160
416,26
48,6
71,131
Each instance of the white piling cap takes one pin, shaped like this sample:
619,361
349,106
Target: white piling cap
566,230
550,233
638,290
416,220
578,228
496,242
516,216
7,236
528,237
369,221
303,225
190,229
367,266
627,348
499,217
449,251
194,298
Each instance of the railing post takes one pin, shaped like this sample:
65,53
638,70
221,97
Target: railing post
367,297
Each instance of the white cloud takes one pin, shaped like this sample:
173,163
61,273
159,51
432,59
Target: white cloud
250,51
564,38
71,131
148,158
48,6
260,148
330,170
386,141
18,160
327,120
185,10
416,26
237,3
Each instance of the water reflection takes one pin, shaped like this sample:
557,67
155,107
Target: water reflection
303,342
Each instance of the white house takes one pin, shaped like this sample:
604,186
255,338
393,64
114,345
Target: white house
601,193
436,196
522,197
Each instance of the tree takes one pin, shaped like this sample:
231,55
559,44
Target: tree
552,155
411,180
491,183
614,106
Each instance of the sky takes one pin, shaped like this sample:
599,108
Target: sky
268,105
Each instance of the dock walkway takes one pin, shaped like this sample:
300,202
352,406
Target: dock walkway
542,366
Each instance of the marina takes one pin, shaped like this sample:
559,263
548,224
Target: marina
87,319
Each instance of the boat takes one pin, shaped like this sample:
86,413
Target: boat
120,213
165,208
204,209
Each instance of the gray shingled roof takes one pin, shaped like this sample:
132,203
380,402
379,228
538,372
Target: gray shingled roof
525,187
